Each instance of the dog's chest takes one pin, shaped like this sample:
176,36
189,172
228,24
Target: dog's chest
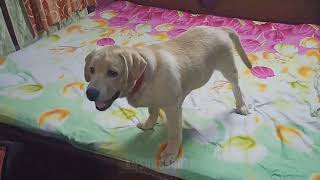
138,102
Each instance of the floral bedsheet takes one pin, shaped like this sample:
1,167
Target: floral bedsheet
42,89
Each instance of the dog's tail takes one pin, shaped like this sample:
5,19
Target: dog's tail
236,41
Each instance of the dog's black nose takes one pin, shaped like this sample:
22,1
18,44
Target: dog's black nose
92,94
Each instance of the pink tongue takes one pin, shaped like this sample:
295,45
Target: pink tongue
100,104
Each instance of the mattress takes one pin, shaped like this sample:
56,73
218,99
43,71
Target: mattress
42,90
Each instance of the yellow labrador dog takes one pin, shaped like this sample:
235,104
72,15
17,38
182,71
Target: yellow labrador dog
162,75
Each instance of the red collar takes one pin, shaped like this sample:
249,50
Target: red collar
137,86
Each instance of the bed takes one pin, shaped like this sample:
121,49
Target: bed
42,91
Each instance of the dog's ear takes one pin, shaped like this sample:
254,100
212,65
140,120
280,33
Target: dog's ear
86,67
135,65
139,65
126,64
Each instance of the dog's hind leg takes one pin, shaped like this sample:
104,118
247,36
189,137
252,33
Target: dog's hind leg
228,69
152,120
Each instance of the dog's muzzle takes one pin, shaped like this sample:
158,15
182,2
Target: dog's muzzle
93,94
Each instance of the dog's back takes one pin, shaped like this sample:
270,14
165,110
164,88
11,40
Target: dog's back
195,53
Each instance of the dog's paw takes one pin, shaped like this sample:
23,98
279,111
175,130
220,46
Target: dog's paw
167,157
144,126
243,110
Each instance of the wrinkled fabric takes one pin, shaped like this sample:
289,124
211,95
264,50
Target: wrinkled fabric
42,90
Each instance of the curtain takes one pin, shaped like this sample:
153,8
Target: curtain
44,13
6,44
21,27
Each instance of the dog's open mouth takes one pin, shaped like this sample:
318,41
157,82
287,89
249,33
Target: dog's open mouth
103,105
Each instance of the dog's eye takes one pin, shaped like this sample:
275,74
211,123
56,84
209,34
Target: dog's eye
111,73
91,70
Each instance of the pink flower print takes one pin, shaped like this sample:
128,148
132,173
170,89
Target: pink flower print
188,20
118,5
132,11
250,45
249,29
303,29
175,32
143,17
215,21
273,35
155,9
118,21
199,20
169,16
102,5
263,26
157,15
105,42
317,34
232,23
144,8
183,21
283,27
149,16
262,72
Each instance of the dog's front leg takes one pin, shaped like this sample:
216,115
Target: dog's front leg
174,126
152,120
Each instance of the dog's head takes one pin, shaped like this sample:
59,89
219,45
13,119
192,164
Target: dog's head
111,73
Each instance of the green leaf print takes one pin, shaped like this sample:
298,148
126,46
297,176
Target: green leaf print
242,142
31,88
54,37
300,86
125,113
